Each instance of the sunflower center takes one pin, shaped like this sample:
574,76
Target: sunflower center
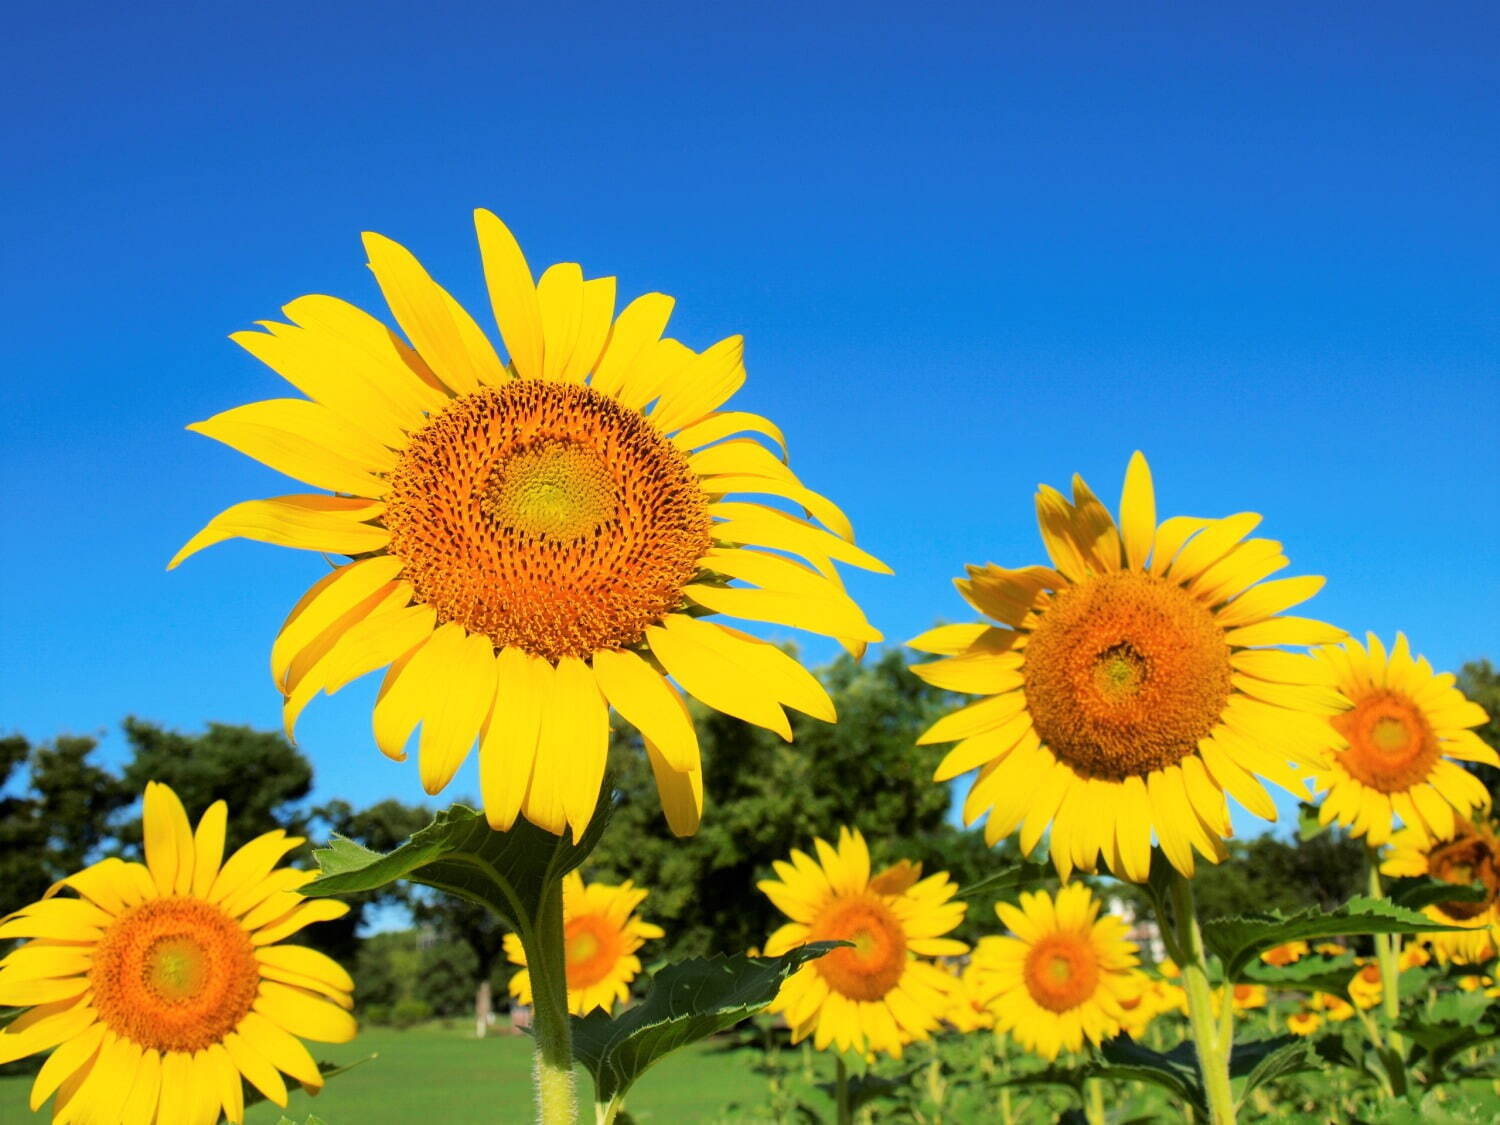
1472,858
873,965
174,974
1061,971
548,517
592,948
1391,746
1124,673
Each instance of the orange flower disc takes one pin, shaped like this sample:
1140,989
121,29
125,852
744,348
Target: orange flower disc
1124,674
872,965
1062,971
1474,857
548,517
174,974
1391,745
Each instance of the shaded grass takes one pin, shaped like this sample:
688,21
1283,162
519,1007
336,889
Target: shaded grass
432,1075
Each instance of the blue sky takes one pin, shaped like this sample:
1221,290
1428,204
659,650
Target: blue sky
970,250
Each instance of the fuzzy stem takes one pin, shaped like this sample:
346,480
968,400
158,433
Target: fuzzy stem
1212,1045
547,964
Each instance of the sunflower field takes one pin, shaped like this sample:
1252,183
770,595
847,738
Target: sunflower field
559,554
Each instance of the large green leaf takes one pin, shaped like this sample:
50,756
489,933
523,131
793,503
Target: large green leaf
1454,1023
1238,941
459,853
1310,974
1176,1071
1265,1060
688,1001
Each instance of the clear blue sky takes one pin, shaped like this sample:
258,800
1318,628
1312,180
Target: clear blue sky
971,249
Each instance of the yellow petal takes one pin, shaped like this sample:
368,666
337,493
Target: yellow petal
507,745
443,333
279,1048
1137,513
330,598
645,700
831,616
681,792
694,661
632,342
513,296
575,741
307,962
758,526
256,1068
208,847
314,910
1268,599
825,511
461,688
702,386
304,440
720,425
595,317
168,840
1285,631
305,1016
560,294
334,524
1212,544
251,863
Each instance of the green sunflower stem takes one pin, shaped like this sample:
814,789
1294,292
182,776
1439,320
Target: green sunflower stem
1213,1041
547,965
1388,953
1093,1104
841,1092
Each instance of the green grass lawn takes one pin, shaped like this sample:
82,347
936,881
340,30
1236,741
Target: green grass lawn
444,1076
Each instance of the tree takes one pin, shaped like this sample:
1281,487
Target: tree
59,822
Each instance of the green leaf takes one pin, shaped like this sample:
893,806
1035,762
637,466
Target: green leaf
1308,824
688,1001
1177,1071
1310,974
1238,941
1456,1022
1265,1060
459,853
1417,893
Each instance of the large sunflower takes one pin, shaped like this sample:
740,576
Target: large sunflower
601,934
1468,854
160,985
1129,683
1399,740
877,994
1062,977
532,542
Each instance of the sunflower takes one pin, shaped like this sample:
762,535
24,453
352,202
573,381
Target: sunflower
1303,1022
969,1001
1061,978
1470,853
529,543
1286,953
1335,1009
1129,684
877,994
1246,997
1147,999
1398,743
158,986
601,934
1365,986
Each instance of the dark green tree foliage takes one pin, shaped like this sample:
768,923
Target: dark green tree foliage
57,820
259,774
1480,681
764,797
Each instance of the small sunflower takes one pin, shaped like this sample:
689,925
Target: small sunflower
1129,684
529,543
1397,744
969,1001
1246,997
1303,1022
1335,1009
879,993
1470,853
159,986
1147,999
1061,978
1285,954
1365,987
601,934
